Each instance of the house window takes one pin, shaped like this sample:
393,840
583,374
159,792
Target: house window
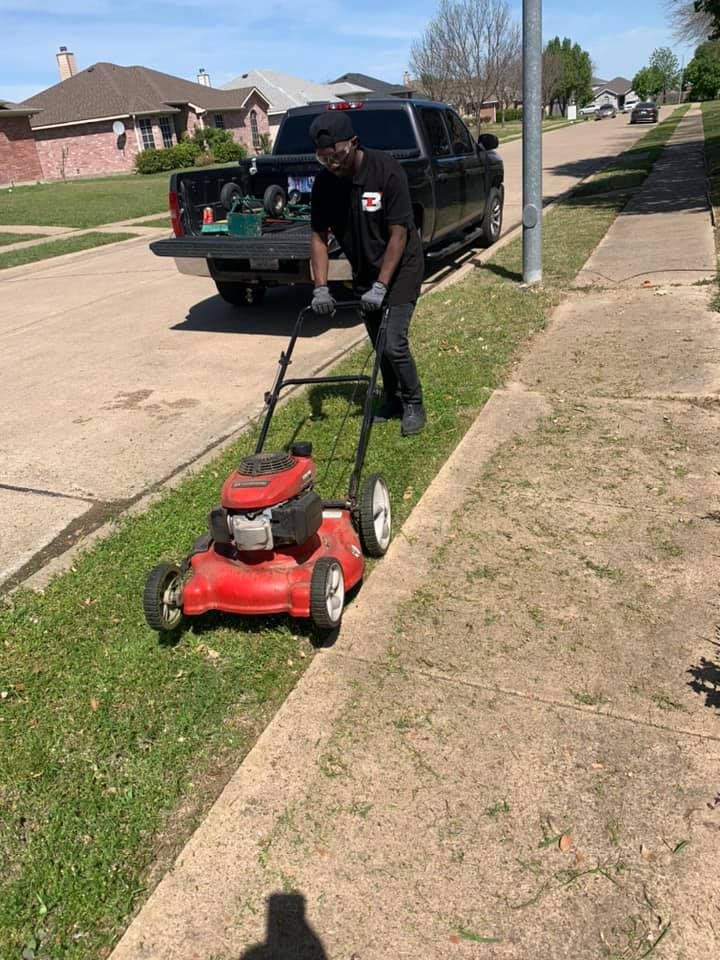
167,131
254,129
146,132
219,121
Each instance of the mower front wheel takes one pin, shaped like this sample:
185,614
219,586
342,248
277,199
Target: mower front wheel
327,593
162,599
375,516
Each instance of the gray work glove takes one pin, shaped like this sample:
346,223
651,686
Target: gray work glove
322,303
373,299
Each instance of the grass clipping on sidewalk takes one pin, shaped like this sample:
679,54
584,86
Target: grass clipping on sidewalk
112,744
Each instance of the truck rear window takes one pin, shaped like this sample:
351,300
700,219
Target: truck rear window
381,129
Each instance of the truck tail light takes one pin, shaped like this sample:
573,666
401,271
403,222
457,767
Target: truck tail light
175,214
346,105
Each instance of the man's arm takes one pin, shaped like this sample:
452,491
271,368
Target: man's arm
393,253
319,257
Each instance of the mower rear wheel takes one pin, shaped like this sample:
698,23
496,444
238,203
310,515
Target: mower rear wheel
241,294
229,194
274,200
375,516
327,593
162,599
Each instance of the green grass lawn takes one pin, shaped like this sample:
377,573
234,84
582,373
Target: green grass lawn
711,126
113,743
56,248
512,130
84,203
7,238
632,167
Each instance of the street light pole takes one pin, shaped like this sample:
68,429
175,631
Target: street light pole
532,141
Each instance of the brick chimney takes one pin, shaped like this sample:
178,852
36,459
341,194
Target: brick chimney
66,63
407,79
203,78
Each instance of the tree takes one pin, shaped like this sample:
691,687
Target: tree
711,8
647,83
668,67
464,51
689,25
575,72
703,72
552,71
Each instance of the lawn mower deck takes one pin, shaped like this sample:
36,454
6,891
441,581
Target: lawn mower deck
273,546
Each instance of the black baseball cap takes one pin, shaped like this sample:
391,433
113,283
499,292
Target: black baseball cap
330,128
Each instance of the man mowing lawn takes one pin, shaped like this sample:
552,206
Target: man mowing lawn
362,196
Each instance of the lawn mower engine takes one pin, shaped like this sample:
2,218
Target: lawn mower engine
269,500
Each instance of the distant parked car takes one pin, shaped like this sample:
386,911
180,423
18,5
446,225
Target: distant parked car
606,110
629,107
646,112
587,111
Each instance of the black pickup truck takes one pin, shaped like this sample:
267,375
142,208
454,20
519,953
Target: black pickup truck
456,188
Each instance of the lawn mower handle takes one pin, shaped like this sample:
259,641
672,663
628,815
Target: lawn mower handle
272,397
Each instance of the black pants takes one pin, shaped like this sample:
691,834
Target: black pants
399,373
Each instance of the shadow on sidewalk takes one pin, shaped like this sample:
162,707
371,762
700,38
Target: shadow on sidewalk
706,680
288,935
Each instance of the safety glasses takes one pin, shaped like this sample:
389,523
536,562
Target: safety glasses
334,159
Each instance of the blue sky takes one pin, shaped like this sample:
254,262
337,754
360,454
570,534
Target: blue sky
314,39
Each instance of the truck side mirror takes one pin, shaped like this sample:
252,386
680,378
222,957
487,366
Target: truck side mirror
489,141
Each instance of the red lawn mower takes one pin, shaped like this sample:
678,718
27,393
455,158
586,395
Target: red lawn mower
273,545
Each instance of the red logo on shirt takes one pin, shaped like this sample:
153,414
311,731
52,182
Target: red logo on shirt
372,202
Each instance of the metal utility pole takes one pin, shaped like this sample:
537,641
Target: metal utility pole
532,141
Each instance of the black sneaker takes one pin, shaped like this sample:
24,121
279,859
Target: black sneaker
390,409
413,419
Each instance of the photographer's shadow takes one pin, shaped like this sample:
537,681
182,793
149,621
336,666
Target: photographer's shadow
288,935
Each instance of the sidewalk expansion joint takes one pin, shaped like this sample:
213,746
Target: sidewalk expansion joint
690,399
612,505
48,493
529,698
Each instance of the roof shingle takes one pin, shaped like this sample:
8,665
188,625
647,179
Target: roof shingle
109,90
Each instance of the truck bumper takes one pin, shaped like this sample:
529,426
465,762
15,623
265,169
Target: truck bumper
276,262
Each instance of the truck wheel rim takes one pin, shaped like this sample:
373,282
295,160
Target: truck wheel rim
381,515
496,216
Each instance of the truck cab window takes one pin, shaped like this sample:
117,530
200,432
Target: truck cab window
462,142
436,133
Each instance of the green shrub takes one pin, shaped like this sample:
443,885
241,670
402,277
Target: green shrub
150,161
225,152
512,113
184,154
205,159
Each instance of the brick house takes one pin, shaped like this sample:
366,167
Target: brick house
95,121
19,160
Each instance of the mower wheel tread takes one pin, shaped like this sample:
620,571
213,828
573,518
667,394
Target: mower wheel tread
159,617
374,545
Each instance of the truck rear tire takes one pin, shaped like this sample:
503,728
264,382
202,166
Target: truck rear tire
241,294
492,224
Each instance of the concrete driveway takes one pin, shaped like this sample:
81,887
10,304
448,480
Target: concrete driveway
118,371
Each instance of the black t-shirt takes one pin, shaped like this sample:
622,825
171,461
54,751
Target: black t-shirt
360,211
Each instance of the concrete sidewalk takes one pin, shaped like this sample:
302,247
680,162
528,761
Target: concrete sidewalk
513,750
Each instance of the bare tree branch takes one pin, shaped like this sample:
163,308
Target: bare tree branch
688,24
467,52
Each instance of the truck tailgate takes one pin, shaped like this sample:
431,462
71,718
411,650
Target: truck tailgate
228,248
